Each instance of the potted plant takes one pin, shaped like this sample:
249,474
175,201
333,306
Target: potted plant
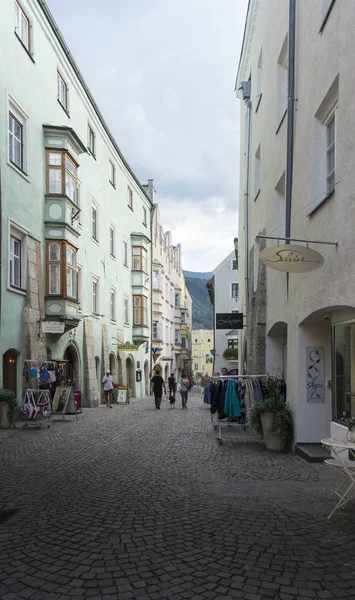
231,354
8,408
272,418
350,424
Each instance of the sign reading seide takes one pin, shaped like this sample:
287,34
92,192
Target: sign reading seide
291,258
229,320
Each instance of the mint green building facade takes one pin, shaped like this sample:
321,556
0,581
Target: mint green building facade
75,220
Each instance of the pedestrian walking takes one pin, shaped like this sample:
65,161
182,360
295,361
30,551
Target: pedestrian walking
158,387
184,389
172,389
108,387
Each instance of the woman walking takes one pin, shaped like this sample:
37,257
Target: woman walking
184,389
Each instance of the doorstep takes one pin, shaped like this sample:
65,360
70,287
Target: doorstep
312,452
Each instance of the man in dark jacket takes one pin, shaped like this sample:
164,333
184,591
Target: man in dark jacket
158,386
172,388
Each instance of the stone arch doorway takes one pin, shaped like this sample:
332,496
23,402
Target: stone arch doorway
72,371
130,376
146,378
112,367
9,369
166,373
119,371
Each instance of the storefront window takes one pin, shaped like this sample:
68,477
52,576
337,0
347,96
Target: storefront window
344,371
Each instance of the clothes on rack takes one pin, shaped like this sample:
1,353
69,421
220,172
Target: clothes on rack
207,395
231,402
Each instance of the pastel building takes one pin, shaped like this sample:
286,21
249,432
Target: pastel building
201,346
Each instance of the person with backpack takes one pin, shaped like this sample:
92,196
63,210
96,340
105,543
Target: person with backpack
184,389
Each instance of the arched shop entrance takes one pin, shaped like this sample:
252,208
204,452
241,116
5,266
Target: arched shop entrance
72,375
166,373
130,376
146,378
119,371
113,367
9,369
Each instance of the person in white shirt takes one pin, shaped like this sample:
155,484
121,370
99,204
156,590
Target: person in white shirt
108,387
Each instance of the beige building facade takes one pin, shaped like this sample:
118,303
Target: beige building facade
201,346
299,325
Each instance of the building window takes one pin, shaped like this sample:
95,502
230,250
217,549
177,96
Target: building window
177,300
62,270
257,172
126,310
62,91
112,173
196,366
344,372
129,197
195,352
91,141
183,343
209,339
112,240
234,265
125,253
331,153
15,262
139,259
15,141
140,310
156,281
259,80
327,6
282,83
94,223
95,296
155,330
232,344
113,304
144,216
177,336
62,175
22,26
234,290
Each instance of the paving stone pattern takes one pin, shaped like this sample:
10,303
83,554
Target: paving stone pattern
136,503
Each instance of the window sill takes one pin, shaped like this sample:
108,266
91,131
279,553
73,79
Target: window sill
24,47
326,16
126,324
130,207
91,154
18,170
112,256
95,241
113,321
63,107
257,195
126,267
258,102
281,121
113,185
16,290
144,224
315,208
96,316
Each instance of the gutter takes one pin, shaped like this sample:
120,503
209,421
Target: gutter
0,250
246,211
84,85
290,115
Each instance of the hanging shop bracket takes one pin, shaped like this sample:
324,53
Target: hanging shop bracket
289,239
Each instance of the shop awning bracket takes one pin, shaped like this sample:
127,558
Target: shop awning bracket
289,239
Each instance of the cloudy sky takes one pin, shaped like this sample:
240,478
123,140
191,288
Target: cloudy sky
163,74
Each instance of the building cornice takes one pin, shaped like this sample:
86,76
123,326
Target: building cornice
249,30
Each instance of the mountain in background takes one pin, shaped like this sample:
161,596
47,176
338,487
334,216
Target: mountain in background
202,309
197,275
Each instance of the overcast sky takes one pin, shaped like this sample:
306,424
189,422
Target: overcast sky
163,73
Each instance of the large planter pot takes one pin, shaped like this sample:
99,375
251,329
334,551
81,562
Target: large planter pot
272,440
4,420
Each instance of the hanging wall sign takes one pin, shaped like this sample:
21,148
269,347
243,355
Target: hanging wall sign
229,320
128,348
53,327
291,258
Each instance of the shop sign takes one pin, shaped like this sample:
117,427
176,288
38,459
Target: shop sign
291,258
128,348
229,321
167,358
53,327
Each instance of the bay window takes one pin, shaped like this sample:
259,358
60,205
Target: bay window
62,272
140,310
62,176
139,259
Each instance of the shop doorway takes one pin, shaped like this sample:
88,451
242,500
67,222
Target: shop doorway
72,367
119,371
130,376
146,378
9,370
113,367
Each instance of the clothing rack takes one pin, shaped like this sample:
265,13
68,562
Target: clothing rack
238,376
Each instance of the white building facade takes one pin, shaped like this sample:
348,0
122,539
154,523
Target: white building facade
223,290
75,220
300,325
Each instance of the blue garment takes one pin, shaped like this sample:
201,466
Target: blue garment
231,402
207,394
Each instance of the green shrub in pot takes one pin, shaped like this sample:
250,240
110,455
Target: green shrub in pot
9,397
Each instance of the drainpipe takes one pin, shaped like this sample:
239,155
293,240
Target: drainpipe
152,212
290,114
246,212
0,251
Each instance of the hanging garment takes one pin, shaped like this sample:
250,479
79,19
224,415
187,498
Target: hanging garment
217,400
258,395
231,402
25,373
207,394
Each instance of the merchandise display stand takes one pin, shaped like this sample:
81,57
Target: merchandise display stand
36,407
63,402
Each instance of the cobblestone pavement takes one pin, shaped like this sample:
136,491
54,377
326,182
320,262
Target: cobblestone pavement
135,503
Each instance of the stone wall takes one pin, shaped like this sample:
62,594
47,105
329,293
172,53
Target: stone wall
91,394
256,324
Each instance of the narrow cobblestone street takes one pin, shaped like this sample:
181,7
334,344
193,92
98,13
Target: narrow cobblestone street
137,503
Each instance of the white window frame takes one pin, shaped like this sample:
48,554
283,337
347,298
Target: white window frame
234,262
17,112
144,219
112,173
113,306
129,197
91,140
233,284
196,366
112,240
94,207
331,148
125,253
259,80
20,18
21,234
95,304
80,285
257,169
62,88
125,309
282,83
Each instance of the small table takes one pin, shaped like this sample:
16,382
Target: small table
344,491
